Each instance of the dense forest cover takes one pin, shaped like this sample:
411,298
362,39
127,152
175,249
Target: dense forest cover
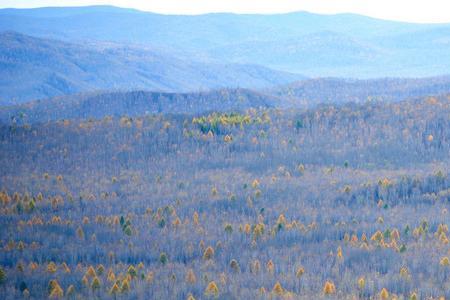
307,93
223,156
346,202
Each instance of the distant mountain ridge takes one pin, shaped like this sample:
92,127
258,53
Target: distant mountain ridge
34,68
311,92
134,103
342,45
303,94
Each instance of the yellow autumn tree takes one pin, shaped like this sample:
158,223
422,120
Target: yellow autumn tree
228,138
247,228
56,291
111,276
91,272
95,285
190,297
377,236
125,286
51,267
339,253
255,183
364,238
278,289
384,294
212,289
114,289
209,253
281,220
85,281
445,261
329,288
361,283
404,272
132,271
300,271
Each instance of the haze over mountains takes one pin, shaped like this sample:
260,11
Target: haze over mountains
48,52
343,45
35,68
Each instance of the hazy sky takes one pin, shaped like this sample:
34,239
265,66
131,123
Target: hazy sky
406,10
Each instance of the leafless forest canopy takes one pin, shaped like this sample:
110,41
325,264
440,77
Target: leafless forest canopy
336,201
222,156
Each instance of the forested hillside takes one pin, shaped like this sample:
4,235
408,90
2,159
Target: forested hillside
298,95
35,68
223,156
337,90
336,202
135,103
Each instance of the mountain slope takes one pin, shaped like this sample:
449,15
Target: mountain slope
135,103
311,92
302,94
311,52
342,45
32,68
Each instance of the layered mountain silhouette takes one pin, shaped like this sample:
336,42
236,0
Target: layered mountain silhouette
342,45
34,68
